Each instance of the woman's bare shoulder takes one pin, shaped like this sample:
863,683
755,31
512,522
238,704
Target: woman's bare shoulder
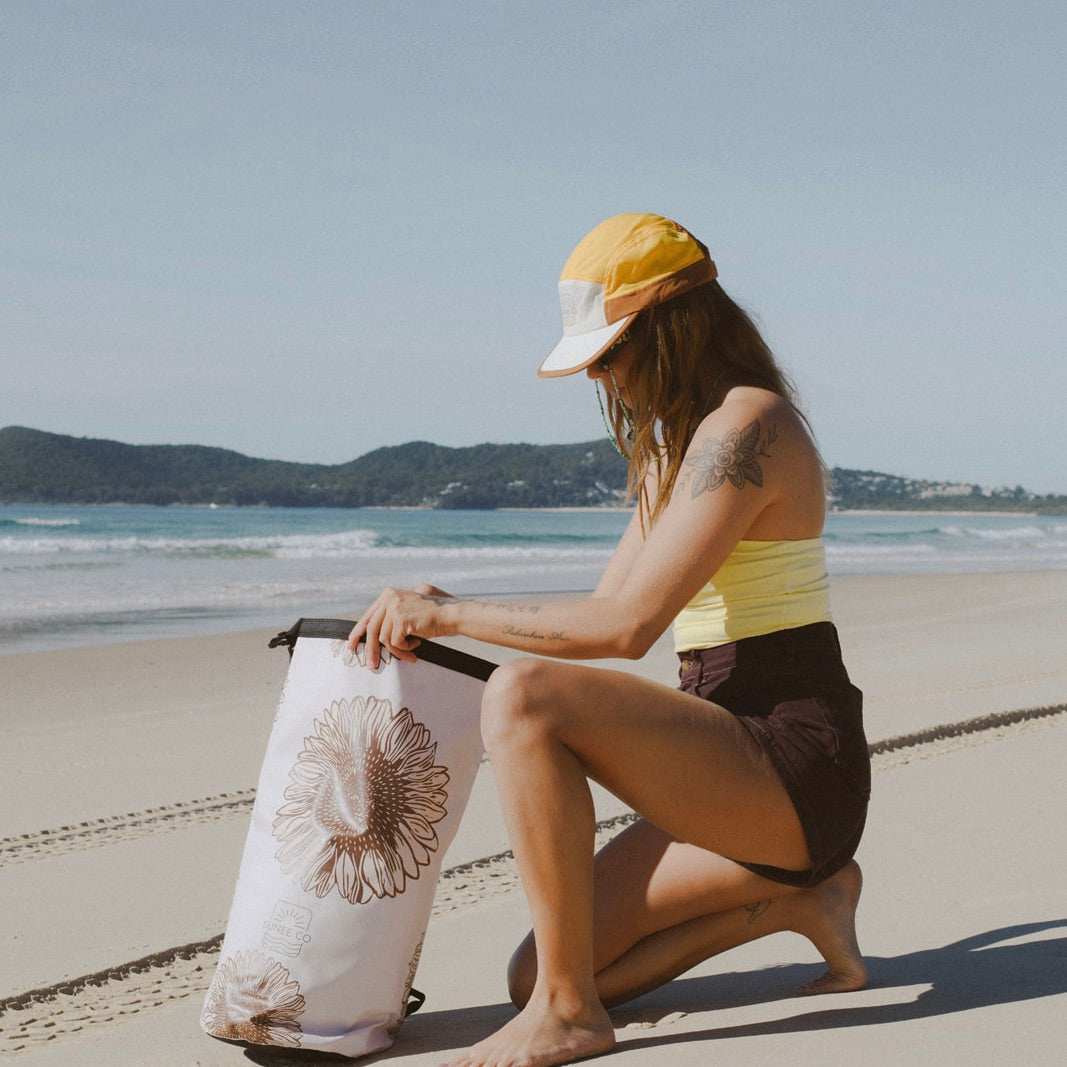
755,402
757,440
748,420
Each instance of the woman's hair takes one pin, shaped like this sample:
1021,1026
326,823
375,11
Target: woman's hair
689,352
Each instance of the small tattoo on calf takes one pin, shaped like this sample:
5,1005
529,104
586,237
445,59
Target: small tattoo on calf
757,909
733,459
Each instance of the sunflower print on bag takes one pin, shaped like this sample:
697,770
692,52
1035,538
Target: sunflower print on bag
253,998
364,796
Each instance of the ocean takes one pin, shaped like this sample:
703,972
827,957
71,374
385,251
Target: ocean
82,575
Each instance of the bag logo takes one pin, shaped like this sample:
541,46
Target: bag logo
286,931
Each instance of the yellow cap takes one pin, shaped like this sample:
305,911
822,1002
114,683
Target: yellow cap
627,263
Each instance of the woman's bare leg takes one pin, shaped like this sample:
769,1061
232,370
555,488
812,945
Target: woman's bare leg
551,824
668,953
662,906
826,916
684,763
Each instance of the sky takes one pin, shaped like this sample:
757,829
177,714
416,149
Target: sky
305,230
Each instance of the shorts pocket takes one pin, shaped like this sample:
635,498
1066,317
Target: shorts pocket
851,756
705,671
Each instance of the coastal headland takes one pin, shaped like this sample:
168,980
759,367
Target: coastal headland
38,467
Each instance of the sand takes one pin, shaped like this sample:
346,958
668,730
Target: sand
128,778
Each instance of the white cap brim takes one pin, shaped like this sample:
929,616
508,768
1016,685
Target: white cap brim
576,352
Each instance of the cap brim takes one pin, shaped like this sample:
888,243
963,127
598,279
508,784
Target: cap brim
573,354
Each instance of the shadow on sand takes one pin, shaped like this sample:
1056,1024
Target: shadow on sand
977,972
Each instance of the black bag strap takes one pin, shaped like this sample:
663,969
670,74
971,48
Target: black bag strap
339,629
415,1001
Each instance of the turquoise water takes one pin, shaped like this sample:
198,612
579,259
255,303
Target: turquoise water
83,575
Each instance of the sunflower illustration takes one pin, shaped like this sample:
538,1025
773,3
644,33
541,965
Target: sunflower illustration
364,798
252,998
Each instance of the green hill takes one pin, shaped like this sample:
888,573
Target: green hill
38,467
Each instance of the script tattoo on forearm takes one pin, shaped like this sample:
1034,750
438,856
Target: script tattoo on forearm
515,631
734,459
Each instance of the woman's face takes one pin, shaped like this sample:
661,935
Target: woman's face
612,370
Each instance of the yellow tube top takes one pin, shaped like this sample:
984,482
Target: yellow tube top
762,586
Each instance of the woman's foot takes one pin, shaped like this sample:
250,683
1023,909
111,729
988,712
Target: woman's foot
826,915
542,1037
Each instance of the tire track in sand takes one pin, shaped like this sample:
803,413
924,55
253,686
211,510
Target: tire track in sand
42,844
40,1016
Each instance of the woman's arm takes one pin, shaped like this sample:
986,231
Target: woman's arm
627,550
740,462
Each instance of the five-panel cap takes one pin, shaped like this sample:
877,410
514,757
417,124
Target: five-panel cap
627,263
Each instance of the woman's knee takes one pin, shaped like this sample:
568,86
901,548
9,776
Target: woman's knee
518,697
522,972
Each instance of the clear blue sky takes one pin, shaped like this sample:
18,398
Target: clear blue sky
305,230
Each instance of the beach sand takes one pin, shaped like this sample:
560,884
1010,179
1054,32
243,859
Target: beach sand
128,778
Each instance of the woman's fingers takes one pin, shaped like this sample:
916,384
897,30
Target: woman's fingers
374,632
402,646
385,624
368,628
359,631
356,633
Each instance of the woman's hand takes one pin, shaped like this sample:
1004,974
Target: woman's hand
398,620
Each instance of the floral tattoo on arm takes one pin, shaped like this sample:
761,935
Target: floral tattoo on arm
735,459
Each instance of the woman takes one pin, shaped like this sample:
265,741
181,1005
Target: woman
752,779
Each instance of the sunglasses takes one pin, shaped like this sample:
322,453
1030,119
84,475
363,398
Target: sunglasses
604,363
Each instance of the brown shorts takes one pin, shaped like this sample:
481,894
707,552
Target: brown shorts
791,692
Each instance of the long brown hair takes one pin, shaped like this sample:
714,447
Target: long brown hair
690,351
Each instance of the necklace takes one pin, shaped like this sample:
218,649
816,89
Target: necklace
627,414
